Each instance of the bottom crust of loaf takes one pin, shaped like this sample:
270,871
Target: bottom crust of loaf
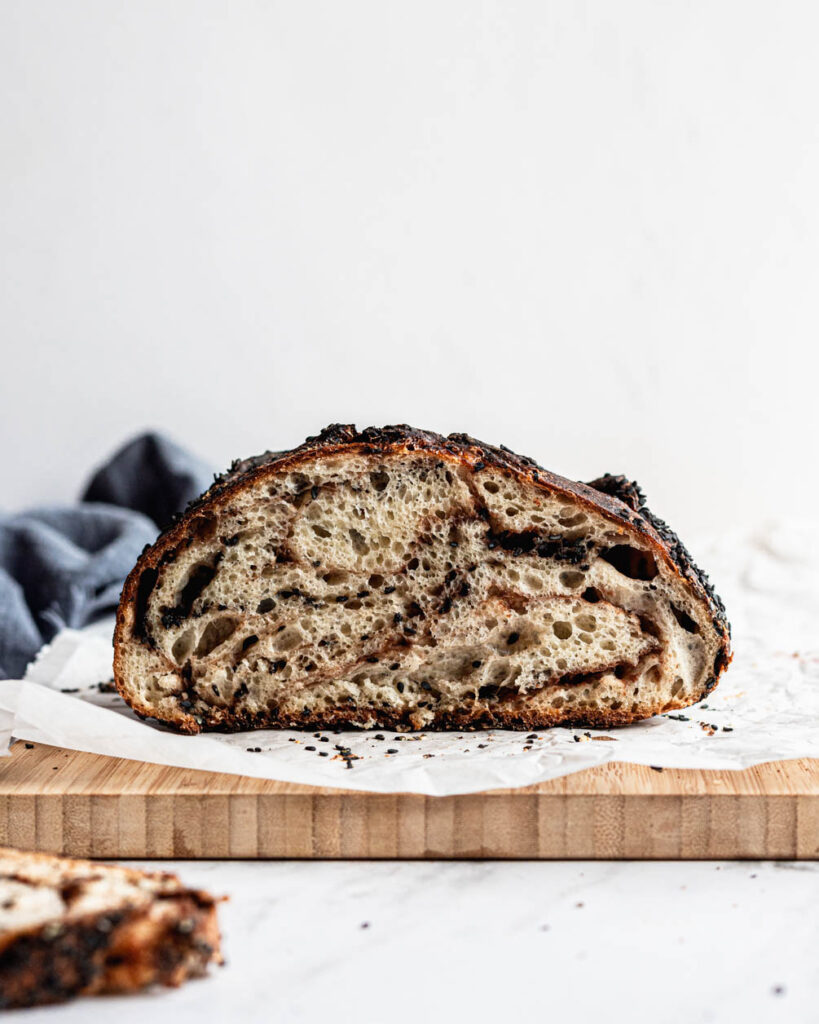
520,713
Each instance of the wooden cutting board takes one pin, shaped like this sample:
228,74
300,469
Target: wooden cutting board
91,806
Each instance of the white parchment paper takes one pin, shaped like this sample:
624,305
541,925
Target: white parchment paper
766,707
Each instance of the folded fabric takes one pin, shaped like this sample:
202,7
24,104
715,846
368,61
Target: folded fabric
65,566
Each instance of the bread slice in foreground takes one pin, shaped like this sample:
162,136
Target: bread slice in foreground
73,927
400,579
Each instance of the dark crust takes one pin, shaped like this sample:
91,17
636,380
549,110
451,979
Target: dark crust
617,499
108,952
512,714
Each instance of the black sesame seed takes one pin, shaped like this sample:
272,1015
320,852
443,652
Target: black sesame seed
323,753
476,664
310,748
425,686
388,590
341,599
394,666
398,617
379,736
513,638
372,660
314,493
215,689
399,687
391,750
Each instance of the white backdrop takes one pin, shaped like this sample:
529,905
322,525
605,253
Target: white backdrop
589,231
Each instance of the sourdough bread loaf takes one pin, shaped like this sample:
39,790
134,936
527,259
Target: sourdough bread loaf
73,927
396,578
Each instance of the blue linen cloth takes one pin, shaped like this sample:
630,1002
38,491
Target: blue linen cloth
65,566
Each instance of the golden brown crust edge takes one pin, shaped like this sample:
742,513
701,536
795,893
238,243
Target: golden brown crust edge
617,499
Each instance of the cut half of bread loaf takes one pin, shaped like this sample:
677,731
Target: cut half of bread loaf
396,578
73,927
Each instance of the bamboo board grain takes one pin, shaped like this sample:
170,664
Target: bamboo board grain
90,806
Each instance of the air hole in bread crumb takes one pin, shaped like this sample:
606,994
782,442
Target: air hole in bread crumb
591,595
197,581
572,579
562,630
685,620
631,562
182,646
287,640
360,545
215,633
379,480
649,626
266,605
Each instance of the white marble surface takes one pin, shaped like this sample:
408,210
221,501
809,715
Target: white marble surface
398,942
